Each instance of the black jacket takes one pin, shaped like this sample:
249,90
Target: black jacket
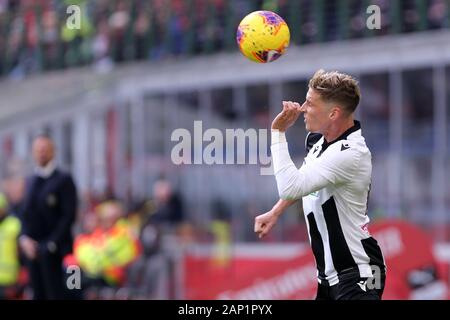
49,210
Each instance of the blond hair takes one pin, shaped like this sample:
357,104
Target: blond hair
337,87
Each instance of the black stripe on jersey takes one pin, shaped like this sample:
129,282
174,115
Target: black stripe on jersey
311,139
326,144
317,244
340,252
373,251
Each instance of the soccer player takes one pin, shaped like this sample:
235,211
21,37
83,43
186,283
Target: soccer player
334,183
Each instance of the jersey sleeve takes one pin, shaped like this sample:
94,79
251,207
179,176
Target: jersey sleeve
336,165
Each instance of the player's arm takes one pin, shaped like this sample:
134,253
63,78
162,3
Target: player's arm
295,183
286,118
334,168
265,221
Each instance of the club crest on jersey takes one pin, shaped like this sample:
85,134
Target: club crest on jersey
314,194
51,200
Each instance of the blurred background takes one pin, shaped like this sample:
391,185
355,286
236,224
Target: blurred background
111,93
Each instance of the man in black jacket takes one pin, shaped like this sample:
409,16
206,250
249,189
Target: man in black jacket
49,211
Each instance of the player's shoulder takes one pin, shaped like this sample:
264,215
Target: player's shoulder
352,145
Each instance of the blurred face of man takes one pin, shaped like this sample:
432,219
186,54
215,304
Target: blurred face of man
110,213
318,114
162,191
43,151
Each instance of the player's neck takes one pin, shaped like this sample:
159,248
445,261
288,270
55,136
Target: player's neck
337,129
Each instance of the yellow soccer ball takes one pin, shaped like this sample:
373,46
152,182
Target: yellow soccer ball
263,36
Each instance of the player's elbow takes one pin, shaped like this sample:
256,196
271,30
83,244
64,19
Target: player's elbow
289,185
288,192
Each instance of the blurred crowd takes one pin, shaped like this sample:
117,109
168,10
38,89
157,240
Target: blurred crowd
34,35
117,249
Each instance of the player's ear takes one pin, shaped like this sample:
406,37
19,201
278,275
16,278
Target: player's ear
335,112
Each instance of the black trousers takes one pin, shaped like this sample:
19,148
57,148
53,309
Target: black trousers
352,287
46,276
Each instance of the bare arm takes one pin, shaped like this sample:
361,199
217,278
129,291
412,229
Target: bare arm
282,205
265,221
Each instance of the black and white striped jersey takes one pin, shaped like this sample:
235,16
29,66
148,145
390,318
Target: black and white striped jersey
334,183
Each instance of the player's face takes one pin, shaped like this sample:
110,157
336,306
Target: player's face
316,112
